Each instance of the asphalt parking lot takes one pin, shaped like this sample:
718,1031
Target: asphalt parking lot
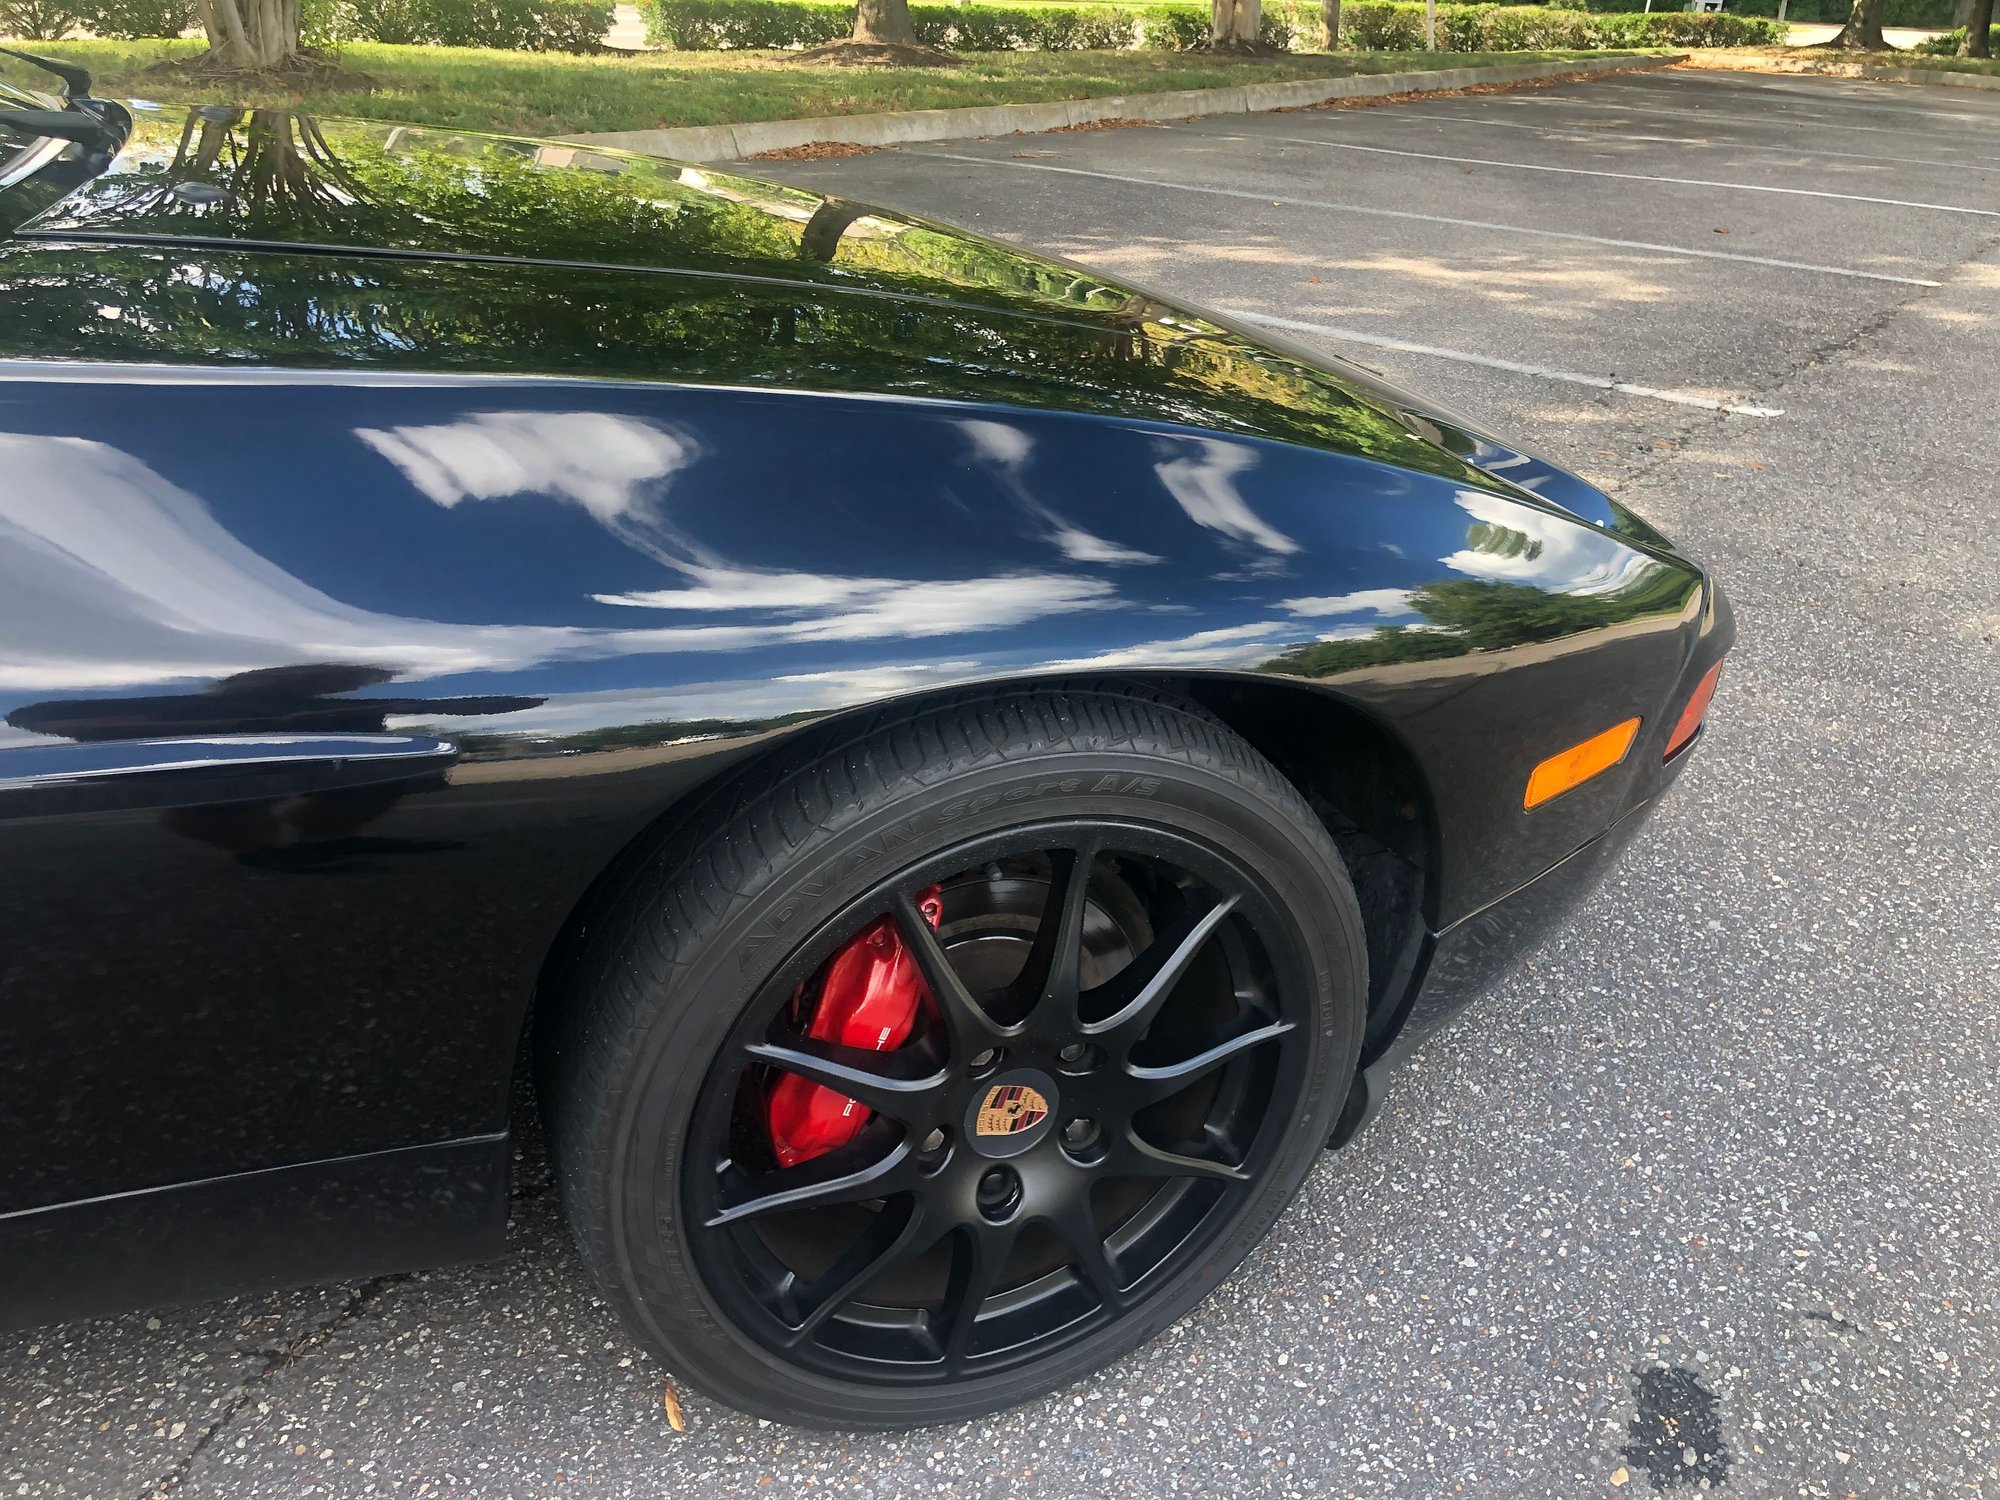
1726,1152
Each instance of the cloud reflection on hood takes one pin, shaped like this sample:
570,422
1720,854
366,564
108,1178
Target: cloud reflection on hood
1007,449
1516,543
150,588
1200,473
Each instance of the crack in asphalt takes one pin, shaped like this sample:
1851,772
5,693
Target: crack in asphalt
299,1349
1652,458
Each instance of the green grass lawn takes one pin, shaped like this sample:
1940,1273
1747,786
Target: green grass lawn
558,94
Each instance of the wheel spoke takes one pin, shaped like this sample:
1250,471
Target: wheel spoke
1213,1048
1091,1257
890,1241
1047,986
854,1173
1136,993
980,1256
971,1028
899,1083
1137,1157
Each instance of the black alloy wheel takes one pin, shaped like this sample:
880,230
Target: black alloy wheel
1139,1009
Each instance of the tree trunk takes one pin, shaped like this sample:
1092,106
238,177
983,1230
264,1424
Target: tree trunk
250,34
884,22
1863,30
1234,24
1329,25
820,239
1978,40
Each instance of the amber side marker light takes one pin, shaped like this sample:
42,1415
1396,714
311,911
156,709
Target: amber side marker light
1576,765
1695,712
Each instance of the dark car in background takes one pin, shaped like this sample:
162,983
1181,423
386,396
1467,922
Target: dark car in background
956,777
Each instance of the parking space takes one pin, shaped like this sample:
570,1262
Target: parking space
1709,1193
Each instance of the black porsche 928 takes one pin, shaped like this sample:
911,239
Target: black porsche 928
957,778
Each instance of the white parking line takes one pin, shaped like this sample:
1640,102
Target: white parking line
1529,166
1686,116
1401,213
1518,367
1580,133
1724,86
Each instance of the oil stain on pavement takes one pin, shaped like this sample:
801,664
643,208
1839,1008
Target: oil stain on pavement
1676,1435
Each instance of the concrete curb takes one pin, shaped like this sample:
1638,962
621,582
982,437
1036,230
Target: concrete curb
1931,75
909,126
1859,71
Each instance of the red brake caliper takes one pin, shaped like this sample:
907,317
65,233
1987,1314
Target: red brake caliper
868,999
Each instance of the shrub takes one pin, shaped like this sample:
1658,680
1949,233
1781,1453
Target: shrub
1173,28
128,20
724,25
1948,44
1533,28
516,25
41,20
1366,25
124,20
574,25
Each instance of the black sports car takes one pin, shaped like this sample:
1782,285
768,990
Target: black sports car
956,777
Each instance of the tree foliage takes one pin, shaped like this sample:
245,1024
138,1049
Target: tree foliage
1463,616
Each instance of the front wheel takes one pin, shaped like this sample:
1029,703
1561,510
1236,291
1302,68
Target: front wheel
955,1053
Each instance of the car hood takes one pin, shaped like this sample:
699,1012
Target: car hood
269,181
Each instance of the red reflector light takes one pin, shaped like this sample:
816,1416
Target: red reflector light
1697,707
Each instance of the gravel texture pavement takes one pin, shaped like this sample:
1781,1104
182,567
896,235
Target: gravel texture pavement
1708,1195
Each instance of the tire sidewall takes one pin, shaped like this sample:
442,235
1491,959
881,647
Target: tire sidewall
837,862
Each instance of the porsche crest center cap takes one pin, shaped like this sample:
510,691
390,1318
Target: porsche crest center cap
1011,1113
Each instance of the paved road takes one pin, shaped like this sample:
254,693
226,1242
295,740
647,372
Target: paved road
1727,1152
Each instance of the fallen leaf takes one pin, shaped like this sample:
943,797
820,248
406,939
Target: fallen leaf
671,1399
1312,281
1620,1476
1720,230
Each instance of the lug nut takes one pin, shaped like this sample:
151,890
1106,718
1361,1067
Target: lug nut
985,1058
1075,1052
1080,1134
999,1193
932,1143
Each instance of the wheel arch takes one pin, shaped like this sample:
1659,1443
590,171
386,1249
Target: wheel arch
1365,784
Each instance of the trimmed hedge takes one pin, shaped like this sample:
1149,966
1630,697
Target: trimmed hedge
129,20
1537,28
1924,13
1929,14
1366,25
729,25
123,20
515,25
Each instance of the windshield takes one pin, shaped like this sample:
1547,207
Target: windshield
23,151
13,139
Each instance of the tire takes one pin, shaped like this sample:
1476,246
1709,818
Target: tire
655,1077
